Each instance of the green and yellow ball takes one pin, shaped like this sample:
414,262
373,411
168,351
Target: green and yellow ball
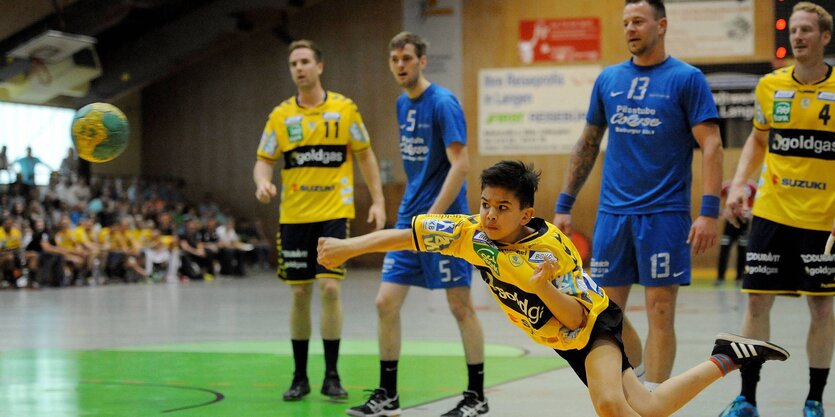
100,132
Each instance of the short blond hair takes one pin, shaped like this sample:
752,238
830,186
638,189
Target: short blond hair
824,18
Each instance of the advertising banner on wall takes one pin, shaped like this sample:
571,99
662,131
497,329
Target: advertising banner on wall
533,111
439,23
710,28
559,40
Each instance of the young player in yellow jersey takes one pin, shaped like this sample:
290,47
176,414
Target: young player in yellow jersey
793,139
536,275
318,133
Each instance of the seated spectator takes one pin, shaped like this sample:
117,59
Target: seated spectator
11,259
77,258
196,261
252,233
232,250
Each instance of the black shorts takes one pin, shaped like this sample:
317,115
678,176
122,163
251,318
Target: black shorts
610,322
785,260
296,245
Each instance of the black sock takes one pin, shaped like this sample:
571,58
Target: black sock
817,380
475,373
388,377
300,358
750,378
331,355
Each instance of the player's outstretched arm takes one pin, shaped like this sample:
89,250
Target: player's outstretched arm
334,252
705,229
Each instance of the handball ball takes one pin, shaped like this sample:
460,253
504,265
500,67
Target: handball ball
100,132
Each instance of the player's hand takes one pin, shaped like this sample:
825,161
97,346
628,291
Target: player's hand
544,273
703,234
737,210
829,242
377,215
332,252
563,222
265,191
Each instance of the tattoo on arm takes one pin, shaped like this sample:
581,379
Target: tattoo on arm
583,159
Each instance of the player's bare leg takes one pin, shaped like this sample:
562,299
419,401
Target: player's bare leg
389,301
631,340
821,340
660,351
461,306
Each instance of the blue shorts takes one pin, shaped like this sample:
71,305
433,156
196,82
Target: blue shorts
646,249
428,270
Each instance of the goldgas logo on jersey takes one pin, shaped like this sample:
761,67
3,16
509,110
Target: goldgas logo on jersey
323,156
782,112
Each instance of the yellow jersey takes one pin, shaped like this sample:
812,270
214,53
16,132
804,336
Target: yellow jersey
317,176
10,239
797,184
507,268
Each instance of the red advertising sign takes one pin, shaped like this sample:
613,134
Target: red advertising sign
559,40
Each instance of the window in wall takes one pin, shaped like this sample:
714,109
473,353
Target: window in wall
45,129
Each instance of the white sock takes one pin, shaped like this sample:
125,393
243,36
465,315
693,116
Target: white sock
651,386
640,372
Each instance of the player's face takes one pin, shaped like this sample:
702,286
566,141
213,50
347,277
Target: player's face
406,66
304,69
502,218
806,39
640,29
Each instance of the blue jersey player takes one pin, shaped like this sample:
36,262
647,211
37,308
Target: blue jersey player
655,108
433,146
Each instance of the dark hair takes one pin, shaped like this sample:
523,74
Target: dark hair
305,43
657,6
404,38
516,176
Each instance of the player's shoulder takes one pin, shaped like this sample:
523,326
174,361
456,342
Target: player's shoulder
778,76
284,108
339,103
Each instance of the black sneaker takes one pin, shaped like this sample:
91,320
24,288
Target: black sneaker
470,406
379,404
743,350
332,388
298,389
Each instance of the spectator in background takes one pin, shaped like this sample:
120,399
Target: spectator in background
4,163
69,165
196,261
26,166
232,250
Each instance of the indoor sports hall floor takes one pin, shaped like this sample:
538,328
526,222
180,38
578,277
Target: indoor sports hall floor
222,349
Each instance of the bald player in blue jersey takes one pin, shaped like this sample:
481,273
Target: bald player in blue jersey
433,146
656,108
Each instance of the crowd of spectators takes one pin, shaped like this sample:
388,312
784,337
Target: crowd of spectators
71,233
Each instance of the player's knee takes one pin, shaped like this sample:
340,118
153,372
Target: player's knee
386,306
330,292
610,405
461,310
759,305
820,309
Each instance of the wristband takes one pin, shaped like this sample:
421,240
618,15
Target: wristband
564,203
710,206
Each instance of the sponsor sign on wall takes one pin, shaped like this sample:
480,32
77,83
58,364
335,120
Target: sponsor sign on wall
533,111
710,28
559,40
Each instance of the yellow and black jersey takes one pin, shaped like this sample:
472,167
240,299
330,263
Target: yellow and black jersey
64,239
317,177
797,185
507,269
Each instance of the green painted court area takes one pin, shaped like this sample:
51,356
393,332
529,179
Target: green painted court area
232,379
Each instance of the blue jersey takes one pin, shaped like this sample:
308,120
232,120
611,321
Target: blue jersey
428,125
650,112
